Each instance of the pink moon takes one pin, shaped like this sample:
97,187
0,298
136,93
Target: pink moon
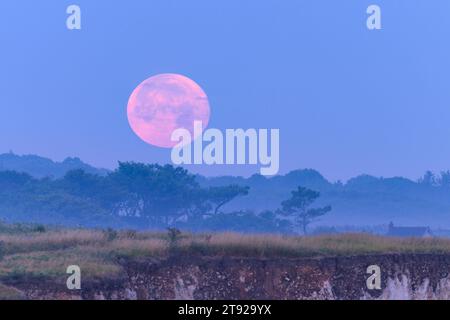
164,103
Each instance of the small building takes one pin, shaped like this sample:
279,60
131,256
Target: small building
405,232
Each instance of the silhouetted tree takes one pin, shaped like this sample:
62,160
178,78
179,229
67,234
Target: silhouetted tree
444,180
12,180
160,193
220,196
78,182
298,206
428,179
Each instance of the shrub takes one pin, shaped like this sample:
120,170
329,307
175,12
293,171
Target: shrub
40,228
174,236
110,234
130,234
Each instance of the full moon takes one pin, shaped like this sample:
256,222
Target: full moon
164,103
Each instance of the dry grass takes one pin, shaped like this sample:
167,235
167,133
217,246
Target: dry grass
50,240
53,264
138,248
47,254
10,293
330,245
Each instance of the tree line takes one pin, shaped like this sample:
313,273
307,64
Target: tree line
152,195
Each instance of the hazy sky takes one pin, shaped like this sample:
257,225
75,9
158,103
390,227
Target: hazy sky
346,100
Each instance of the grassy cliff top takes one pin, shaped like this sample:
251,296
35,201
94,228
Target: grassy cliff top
38,252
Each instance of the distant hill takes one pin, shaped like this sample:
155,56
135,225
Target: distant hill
40,167
362,201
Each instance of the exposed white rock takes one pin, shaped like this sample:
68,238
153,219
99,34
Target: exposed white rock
400,288
130,294
183,291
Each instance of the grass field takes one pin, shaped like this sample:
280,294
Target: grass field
35,251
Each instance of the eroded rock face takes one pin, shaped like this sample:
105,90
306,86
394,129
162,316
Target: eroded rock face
403,277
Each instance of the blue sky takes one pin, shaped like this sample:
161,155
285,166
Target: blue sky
346,100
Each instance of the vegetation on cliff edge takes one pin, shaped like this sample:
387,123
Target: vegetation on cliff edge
27,252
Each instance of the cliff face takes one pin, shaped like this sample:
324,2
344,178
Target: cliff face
406,276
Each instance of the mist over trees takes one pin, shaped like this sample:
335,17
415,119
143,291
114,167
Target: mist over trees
146,196
152,196
299,207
